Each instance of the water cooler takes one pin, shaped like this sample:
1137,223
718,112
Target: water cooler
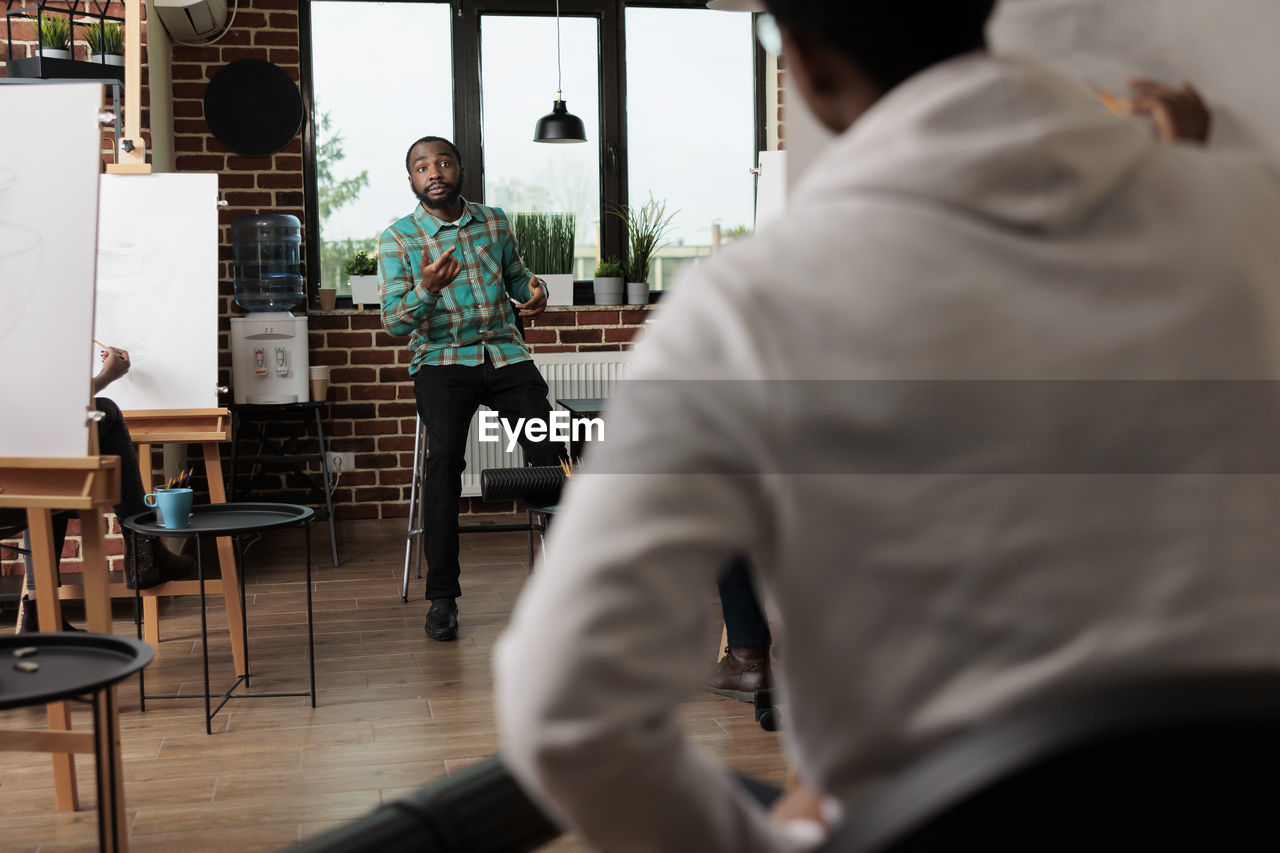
269,346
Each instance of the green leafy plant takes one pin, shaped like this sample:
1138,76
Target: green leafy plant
545,241
105,37
360,263
609,268
647,227
55,32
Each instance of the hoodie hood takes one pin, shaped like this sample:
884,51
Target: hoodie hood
1005,139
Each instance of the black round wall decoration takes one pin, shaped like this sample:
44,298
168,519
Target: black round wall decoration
253,107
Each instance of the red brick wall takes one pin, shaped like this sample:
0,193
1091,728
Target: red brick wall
263,29
782,127
371,412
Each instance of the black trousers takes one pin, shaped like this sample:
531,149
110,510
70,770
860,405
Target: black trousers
448,397
744,621
113,440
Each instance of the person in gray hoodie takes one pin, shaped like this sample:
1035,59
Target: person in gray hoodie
970,411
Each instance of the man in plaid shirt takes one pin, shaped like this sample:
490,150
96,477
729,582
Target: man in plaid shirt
451,279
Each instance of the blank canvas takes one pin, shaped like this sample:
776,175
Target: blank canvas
158,288
49,164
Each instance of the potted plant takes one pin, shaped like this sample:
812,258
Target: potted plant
546,242
55,37
362,268
106,42
647,226
608,283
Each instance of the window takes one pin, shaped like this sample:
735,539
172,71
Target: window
369,105
690,114
521,175
678,120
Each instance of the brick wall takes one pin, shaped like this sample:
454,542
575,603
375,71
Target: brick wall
263,29
782,126
371,413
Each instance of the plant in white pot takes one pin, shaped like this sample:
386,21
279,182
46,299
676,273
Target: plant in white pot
545,241
647,227
362,267
106,42
608,282
55,37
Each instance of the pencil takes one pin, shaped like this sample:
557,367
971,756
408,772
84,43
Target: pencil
101,344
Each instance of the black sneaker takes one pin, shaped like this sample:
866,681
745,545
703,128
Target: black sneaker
442,619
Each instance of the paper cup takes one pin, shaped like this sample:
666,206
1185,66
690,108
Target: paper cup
319,382
328,298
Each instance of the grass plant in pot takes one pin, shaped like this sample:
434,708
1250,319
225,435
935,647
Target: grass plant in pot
546,247
608,282
55,37
362,269
106,42
647,227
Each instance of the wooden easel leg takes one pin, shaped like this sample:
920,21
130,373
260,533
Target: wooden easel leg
226,559
144,467
151,617
97,595
44,564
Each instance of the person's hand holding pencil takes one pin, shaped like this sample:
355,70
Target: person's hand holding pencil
115,363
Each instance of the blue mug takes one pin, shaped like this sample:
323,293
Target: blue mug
172,506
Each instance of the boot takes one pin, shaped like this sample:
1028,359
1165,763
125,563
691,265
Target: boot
740,673
152,564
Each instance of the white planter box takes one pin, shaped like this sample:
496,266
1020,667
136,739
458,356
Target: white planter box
364,290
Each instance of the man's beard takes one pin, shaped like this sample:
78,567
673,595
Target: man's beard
443,202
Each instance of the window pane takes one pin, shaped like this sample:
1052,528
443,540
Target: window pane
371,104
518,81
691,126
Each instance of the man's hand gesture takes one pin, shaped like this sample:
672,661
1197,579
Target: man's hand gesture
437,274
538,302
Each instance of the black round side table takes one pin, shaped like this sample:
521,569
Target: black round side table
235,520
69,666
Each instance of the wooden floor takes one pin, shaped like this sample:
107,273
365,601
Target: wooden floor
396,710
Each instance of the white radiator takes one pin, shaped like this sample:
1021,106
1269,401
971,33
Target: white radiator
568,374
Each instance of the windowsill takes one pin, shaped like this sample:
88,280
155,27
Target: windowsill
550,308
645,307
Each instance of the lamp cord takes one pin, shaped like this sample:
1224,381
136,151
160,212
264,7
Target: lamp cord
559,81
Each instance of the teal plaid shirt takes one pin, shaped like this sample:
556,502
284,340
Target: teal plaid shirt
472,316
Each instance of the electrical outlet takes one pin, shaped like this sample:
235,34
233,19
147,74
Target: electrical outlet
341,461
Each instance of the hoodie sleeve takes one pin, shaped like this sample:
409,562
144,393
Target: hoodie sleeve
611,633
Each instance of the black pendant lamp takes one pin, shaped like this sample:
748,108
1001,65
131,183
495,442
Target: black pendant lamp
559,125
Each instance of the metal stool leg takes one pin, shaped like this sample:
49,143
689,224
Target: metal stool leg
414,533
328,497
